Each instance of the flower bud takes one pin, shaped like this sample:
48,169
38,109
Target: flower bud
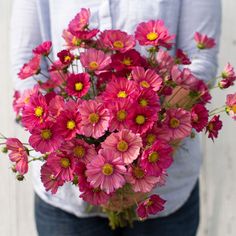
4,149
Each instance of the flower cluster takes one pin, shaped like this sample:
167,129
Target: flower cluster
115,124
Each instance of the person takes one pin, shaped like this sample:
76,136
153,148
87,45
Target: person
35,21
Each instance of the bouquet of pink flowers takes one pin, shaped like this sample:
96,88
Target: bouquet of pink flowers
108,119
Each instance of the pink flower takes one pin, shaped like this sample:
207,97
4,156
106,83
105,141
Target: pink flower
35,112
213,127
141,119
68,123
65,57
157,158
44,138
184,78
95,119
199,117
139,180
154,33
18,154
125,144
31,68
120,89
49,178
119,111
228,77
181,58
72,42
106,171
95,196
94,60
63,165
117,40
152,205
231,105
80,150
43,49
164,60
148,79
56,106
203,41
78,84
177,123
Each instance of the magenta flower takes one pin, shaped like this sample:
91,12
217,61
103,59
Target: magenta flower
152,205
213,127
181,58
231,105
199,117
177,123
228,77
106,171
148,79
125,144
45,138
31,68
43,49
95,60
165,61
203,41
117,40
65,57
18,154
78,84
157,158
95,118
154,33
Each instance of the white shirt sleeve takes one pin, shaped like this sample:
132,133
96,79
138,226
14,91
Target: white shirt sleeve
25,35
202,16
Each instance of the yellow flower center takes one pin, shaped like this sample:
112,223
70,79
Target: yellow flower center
234,108
127,61
143,102
76,41
79,86
210,126
38,111
138,172
140,119
144,84
27,99
79,151
107,169
67,58
151,138
149,202
94,118
93,65
153,157
70,124
152,36
122,94
118,44
122,146
121,115
65,162
46,134
174,123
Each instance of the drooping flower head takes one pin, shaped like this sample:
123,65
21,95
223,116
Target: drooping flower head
43,49
157,158
18,154
125,144
177,123
148,79
213,127
78,84
94,60
31,68
106,171
154,33
94,118
199,117
203,41
231,105
117,40
228,77
165,61
182,58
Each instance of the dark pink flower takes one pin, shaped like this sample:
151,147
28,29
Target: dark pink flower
213,127
181,58
31,68
203,41
228,77
66,57
43,49
199,117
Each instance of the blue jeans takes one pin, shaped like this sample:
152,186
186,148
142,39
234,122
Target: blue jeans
52,221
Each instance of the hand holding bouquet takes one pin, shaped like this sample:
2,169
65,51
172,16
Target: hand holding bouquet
108,119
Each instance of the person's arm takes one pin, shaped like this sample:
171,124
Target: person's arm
202,16
25,35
